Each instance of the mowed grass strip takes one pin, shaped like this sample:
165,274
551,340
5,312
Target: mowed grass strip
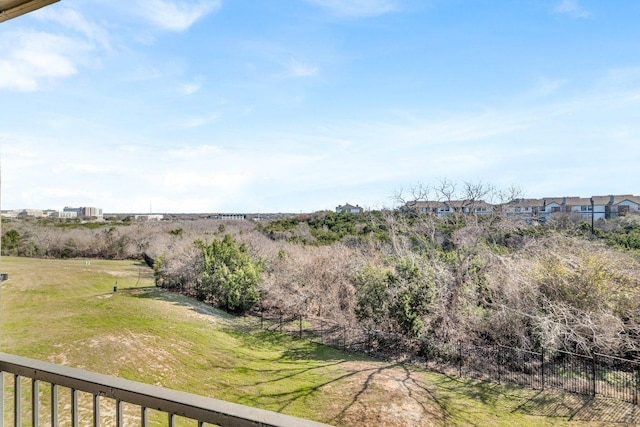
66,312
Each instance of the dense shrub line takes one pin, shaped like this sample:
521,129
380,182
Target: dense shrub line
483,279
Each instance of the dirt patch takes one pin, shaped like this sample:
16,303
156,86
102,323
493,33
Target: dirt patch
388,395
118,353
194,309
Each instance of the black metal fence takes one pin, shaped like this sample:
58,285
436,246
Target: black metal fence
593,375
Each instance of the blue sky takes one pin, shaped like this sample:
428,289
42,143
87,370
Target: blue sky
302,105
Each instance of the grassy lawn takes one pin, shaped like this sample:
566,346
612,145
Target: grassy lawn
66,312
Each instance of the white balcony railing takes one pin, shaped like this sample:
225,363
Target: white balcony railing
101,387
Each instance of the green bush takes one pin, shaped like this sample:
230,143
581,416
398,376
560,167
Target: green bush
11,240
394,300
230,277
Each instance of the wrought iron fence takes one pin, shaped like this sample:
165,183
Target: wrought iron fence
593,375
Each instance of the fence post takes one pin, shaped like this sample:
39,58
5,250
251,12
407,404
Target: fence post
542,368
261,319
459,359
280,322
593,373
344,337
300,323
321,331
637,386
499,353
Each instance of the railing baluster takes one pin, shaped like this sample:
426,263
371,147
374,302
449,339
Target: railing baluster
74,407
199,409
17,399
35,403
96,410
54,405
1,399
119,413
144,422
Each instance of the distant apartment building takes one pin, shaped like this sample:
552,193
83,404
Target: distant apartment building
588,208
613,206
447,207
528,209
347,208
595,207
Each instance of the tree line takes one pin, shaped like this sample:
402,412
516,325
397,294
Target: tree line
479,278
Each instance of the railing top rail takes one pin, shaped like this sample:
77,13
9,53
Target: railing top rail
618,359
188,405
522,350
570,353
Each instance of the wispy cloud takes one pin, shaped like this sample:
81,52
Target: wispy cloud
546,87
301,69
76,21
572,8
30,58
357,8
196,152
189,88
176,15
194,122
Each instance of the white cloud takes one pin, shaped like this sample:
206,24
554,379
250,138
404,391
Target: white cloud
195,182
622,77
194,122
190,88
73,168
327,161
357,8
144,72
546,87
300,69
31,57
573,8
176,15
196,152
74,20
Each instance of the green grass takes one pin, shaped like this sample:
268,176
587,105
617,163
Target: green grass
65,311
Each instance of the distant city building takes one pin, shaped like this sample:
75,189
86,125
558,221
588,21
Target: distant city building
91,212
36,213
347,208
74,212
9,213
82,212
228,216
65,214
148,217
